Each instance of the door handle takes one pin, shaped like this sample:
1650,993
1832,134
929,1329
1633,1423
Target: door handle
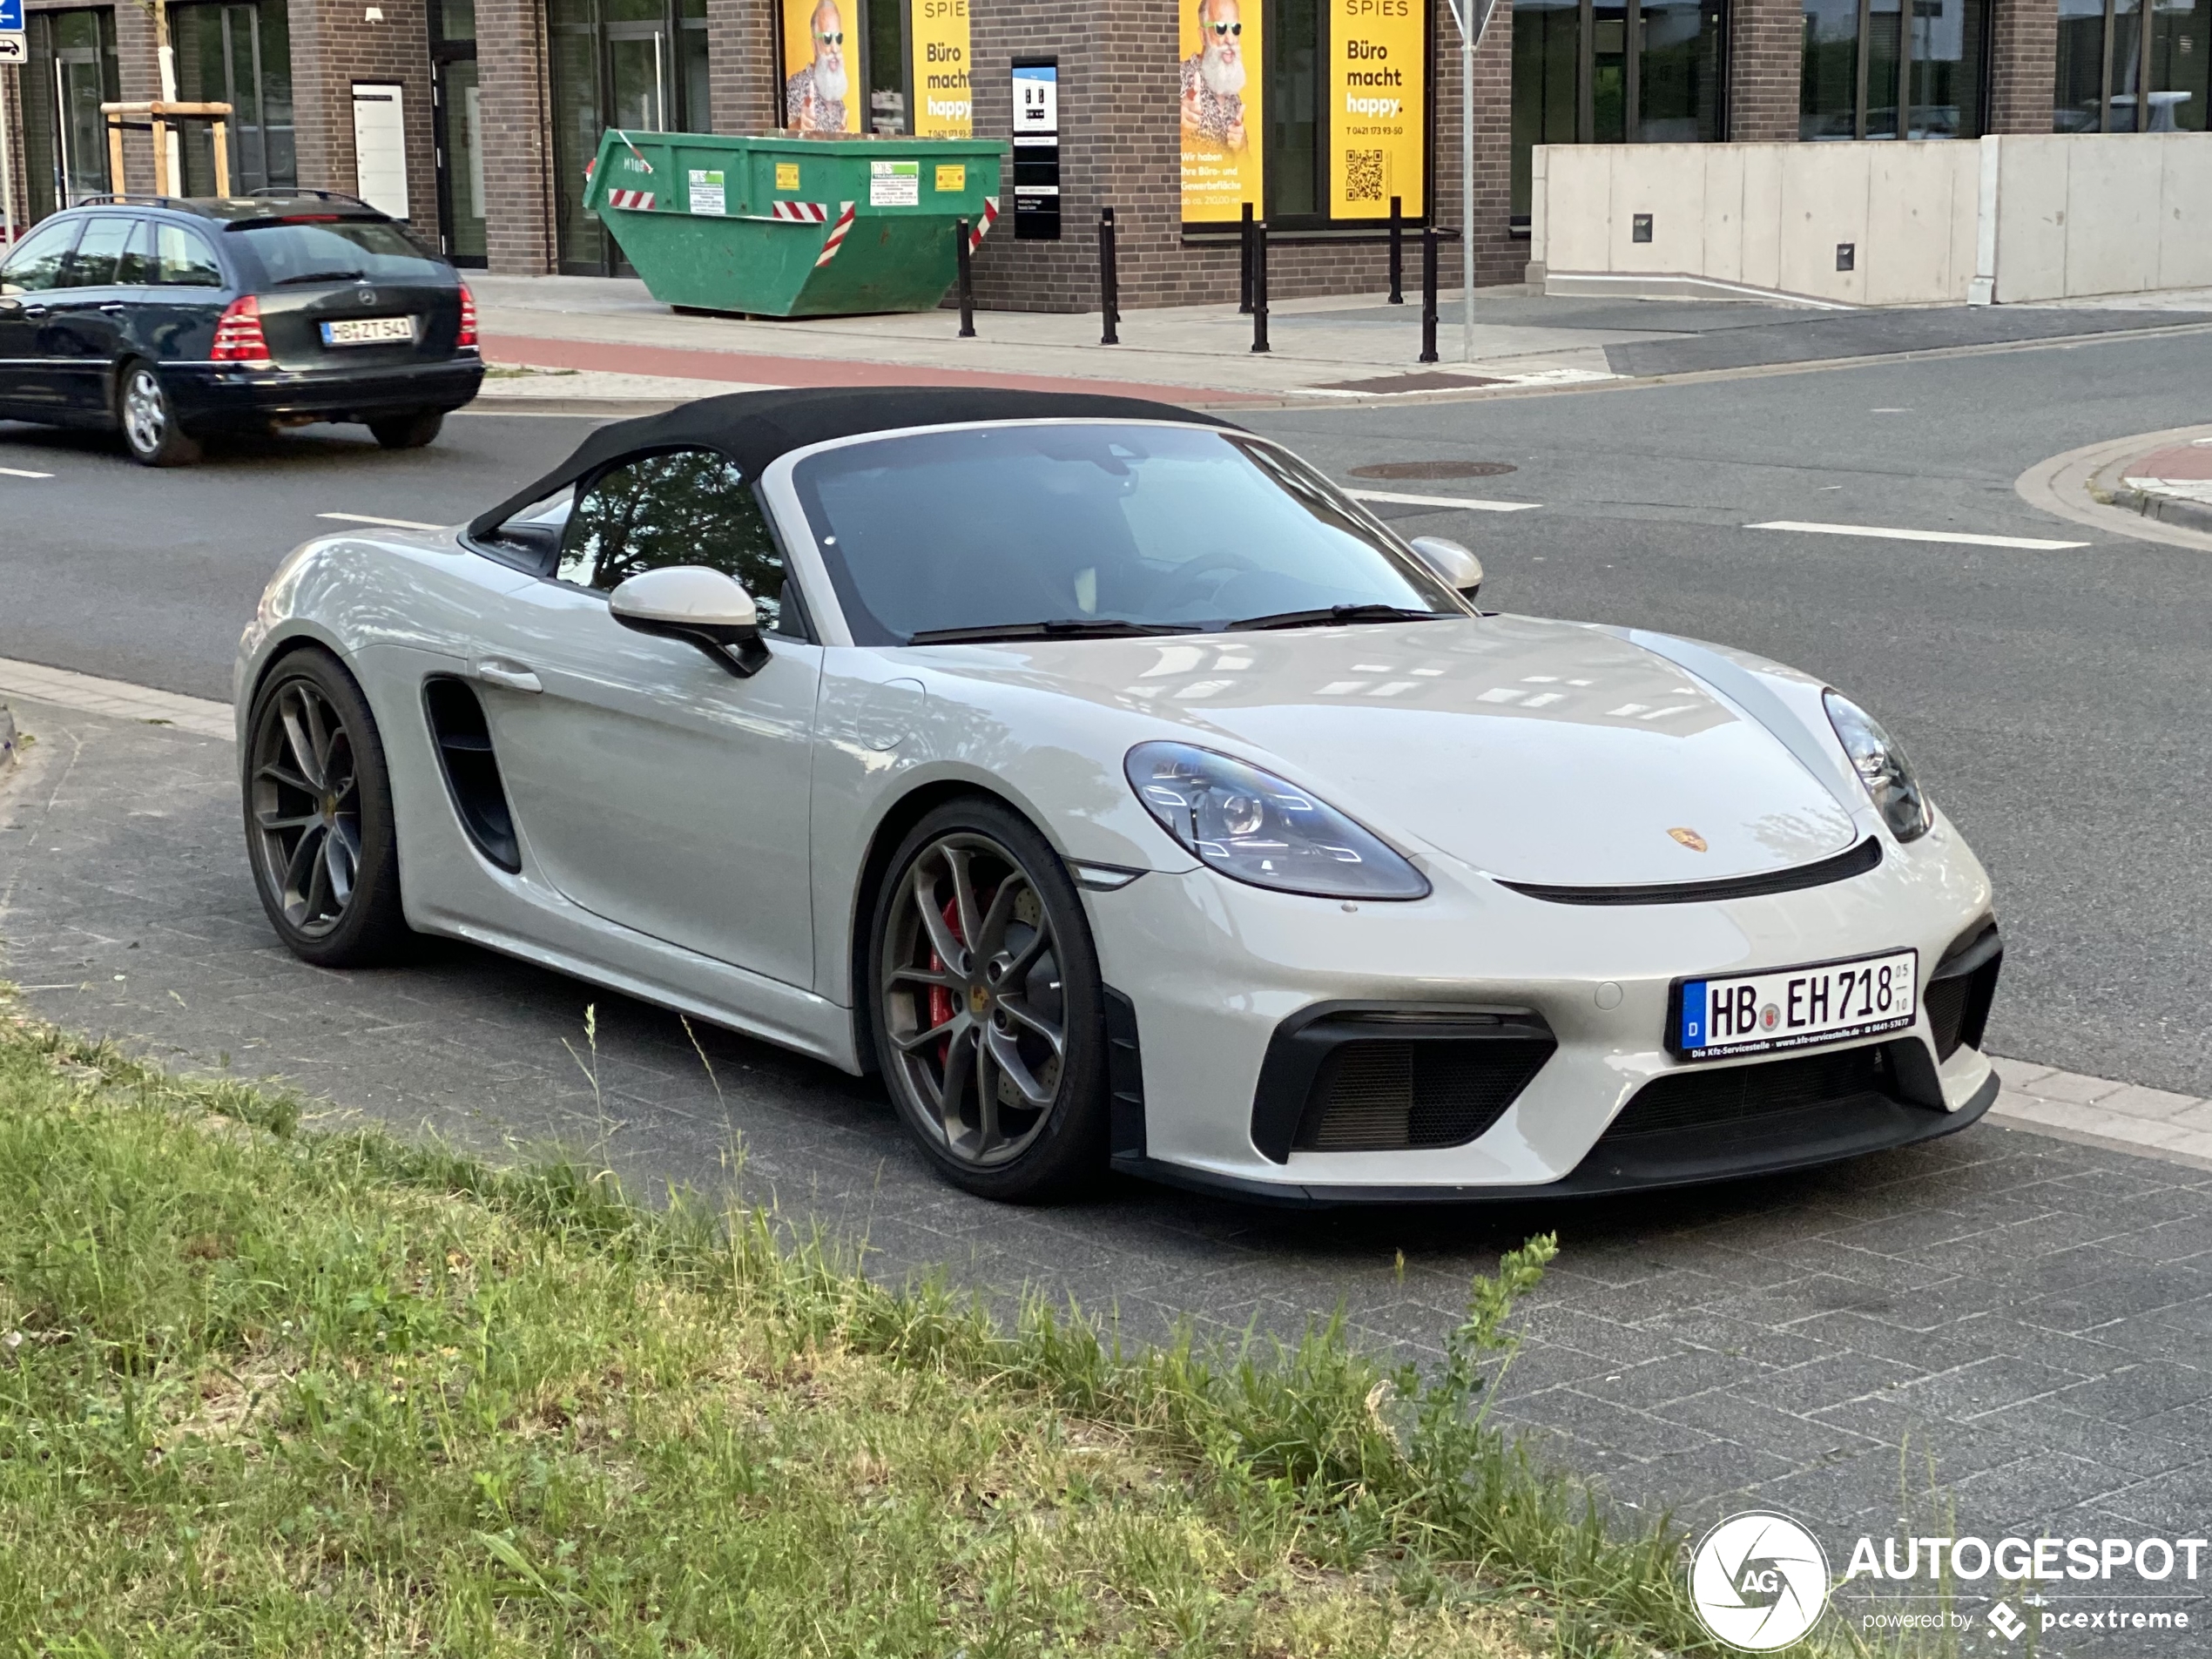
34,311
506,672
115,308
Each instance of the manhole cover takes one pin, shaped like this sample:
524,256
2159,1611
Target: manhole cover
1434,469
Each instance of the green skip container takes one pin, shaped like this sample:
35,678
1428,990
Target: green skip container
780,226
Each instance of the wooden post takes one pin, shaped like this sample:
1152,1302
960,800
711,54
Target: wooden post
160,157
116,181
222,135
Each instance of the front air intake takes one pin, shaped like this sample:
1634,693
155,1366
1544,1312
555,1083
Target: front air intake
1357,1078
1386,1096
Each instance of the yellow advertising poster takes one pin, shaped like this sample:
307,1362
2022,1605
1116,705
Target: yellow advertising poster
1221,109
944,108
822,87
1378,97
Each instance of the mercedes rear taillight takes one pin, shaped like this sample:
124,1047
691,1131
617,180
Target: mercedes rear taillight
237,333
468,340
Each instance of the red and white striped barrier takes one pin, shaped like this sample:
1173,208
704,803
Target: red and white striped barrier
800,212
637,200
839,232
990,218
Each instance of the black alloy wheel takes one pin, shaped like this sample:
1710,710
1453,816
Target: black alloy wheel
988,1017
318,815
150,429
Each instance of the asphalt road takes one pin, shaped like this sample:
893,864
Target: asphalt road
2052,700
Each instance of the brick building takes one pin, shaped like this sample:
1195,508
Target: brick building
473,118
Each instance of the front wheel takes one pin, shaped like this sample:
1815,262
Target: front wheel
319,822
408,431
990,1019
149,426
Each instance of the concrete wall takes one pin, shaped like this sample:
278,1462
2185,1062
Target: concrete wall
2035,216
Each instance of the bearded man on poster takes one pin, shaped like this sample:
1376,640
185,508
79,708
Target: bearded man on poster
1213,77
814,96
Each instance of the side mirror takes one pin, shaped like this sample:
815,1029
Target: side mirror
1456,564
699,606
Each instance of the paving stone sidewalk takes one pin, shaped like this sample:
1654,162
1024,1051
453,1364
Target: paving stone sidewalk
2002,1331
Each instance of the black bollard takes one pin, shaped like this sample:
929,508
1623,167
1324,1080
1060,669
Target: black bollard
966,280
1428,294
1244,259
1397,255
1260,285
1109,287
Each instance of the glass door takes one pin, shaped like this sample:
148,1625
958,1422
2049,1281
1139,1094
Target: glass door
70,72
458,108
634,66
638,60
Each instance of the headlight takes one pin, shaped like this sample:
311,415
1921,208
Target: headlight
1254,827
1882,767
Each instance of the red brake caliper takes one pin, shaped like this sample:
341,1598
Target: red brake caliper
941,1008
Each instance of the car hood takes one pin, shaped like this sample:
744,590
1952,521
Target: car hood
1541,752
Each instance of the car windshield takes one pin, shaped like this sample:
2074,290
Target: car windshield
342,250
1070,528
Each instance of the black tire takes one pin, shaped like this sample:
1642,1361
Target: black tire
408,431
319,828
149,421
997,1019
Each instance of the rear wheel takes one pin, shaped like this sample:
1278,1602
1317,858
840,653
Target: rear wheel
149,426
988,1015
318,816
408,431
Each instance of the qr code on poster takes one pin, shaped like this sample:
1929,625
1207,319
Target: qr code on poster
1363,175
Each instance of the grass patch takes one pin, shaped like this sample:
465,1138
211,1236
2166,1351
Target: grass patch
274,1392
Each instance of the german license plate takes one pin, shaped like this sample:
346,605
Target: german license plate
1796,1008
370,331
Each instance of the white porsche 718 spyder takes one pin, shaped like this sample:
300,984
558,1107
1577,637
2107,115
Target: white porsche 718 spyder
1126,795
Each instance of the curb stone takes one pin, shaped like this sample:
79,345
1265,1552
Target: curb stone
2168,509
8,742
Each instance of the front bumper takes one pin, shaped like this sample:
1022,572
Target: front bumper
214,394
1215,971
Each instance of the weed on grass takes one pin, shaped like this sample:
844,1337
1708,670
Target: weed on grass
274,1392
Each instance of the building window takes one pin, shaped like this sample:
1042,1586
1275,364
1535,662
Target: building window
239,55
2115,76
70,72
1871,70
1614,72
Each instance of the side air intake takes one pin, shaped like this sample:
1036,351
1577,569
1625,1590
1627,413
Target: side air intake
463,743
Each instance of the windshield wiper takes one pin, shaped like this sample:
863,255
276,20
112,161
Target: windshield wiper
322,276
1055,628
1329,613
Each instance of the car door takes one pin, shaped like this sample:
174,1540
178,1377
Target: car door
33,270
176,312
84,333
652,785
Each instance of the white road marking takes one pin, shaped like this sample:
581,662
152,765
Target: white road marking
1467,502
388,523
1960,536
22,472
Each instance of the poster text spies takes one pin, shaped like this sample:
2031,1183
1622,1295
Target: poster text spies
2022,1559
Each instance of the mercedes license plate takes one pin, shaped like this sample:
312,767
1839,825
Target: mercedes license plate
370,331
1796,1008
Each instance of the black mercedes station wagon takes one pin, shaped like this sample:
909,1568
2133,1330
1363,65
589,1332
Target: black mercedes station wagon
175,320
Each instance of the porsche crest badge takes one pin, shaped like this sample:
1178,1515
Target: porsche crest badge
1689,838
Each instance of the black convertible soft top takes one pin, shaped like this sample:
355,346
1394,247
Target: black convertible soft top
753,428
